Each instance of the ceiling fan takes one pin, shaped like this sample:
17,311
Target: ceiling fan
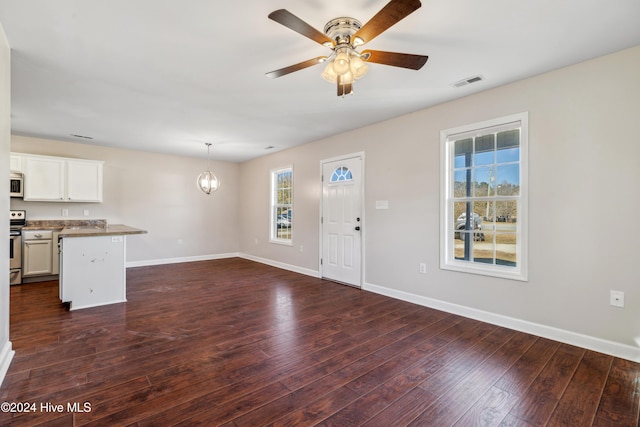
343,36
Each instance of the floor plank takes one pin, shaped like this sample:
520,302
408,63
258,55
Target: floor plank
236,343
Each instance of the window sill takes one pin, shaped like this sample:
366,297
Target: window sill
281,242
492,270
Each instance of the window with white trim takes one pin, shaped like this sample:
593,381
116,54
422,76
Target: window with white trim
282,205
484,198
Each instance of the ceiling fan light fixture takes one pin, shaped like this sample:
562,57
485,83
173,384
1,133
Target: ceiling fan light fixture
358,67
346,78
328,74
355,67
341,62
343,36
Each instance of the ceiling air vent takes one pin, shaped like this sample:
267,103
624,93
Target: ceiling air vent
467,81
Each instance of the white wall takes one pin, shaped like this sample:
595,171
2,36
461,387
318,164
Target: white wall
583,172
154,192
6,352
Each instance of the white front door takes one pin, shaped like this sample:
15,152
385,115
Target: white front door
342,220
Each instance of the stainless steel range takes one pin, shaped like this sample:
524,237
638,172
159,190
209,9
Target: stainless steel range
17,220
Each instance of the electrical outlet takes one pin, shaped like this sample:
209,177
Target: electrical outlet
85,212
65,212
616,298
423,268
301,248
179,241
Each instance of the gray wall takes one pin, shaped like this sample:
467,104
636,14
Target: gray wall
583,176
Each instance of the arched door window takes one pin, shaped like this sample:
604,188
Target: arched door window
341,173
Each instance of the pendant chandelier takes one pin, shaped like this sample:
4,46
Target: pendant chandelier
207,181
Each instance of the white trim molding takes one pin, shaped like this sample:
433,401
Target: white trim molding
6,356
149,262
611,348
448,170
289,267
272,263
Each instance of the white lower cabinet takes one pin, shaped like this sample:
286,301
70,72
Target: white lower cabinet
37,253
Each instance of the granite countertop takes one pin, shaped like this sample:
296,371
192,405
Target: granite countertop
60,224
109,230
82,228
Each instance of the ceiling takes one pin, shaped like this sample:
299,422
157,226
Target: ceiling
168,75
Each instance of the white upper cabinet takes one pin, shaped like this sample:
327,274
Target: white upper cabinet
58,179
84,181
44,178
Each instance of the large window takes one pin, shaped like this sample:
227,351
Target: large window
282,205
483,206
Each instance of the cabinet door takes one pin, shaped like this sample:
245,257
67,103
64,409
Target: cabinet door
84,181
44,179
15,163
36,257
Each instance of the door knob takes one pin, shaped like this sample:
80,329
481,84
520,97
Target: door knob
358,228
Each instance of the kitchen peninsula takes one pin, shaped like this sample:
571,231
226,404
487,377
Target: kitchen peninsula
92,265
92,261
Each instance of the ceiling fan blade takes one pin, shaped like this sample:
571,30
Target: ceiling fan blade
404,60
289,20
297,67
392,13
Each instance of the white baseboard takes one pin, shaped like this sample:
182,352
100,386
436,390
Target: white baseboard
289,267
163,261
591,343
6,356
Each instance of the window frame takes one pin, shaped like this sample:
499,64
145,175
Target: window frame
447,220
274,206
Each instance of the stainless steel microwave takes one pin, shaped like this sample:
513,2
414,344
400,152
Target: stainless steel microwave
16,186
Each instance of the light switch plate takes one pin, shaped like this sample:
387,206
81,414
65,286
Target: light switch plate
382,204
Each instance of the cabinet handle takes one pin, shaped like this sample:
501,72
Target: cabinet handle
38,236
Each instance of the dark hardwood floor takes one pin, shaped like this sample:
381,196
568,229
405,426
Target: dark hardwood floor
237,343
